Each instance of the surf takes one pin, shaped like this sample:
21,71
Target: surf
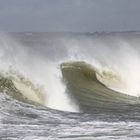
71,72
31,78
20,89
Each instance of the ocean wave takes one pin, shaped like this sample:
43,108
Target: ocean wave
84,83
21,89
71,73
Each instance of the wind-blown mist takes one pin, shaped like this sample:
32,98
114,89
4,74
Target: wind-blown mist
116,61
34,76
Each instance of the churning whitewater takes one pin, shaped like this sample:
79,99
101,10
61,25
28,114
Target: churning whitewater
69,85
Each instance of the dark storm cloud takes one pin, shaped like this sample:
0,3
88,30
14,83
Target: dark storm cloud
69,15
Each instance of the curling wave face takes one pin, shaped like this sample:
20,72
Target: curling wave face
88,86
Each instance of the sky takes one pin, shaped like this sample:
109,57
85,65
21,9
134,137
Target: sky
69,15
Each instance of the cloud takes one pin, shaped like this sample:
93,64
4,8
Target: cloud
69,15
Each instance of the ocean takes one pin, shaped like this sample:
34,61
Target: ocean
71,86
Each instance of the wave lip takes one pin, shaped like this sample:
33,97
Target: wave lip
82,81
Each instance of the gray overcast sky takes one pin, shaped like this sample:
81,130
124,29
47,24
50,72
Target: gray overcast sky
69,15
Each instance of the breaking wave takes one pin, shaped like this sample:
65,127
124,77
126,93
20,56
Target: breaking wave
79,74
90,88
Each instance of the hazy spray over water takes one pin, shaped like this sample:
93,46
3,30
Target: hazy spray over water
116,60
42,73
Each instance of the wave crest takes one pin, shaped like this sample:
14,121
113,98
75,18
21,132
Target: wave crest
21,89
84,84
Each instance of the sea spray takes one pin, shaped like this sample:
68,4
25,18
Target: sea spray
16,57
117,60
40,63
